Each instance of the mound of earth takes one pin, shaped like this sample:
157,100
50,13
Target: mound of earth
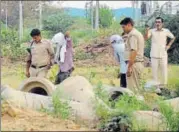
101,53
13,119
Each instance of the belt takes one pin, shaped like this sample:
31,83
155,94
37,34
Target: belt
138,61
33,66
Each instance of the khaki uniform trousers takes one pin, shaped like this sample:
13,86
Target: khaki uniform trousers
134,81
38,72
159,66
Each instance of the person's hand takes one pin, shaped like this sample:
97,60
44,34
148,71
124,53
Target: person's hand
72,68
119,75
48,67
167,47
27,74
147,29
129,72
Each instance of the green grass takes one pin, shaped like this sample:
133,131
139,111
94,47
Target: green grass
172,117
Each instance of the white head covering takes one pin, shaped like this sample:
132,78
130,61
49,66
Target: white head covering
116,39
59,39
117,43
60,42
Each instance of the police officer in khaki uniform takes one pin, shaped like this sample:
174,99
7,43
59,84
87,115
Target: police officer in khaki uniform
134,52
159,47
40,55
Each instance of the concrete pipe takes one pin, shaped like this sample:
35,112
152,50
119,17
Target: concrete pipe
26,100
80,112
37,85
115,92
174,103
149,120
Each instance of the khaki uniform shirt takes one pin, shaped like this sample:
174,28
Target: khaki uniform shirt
41,53
135,41
159,41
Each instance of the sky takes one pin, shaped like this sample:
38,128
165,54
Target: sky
112,4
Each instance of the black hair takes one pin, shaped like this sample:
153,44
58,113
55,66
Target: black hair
159,18
126,21
35,32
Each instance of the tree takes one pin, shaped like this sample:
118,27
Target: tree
173,52
105,16
58,22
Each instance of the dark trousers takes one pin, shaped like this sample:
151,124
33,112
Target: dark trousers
123,81
61,76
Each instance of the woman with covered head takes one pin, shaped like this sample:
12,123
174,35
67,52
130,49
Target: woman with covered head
64,56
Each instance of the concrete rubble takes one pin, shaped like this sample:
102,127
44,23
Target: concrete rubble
79,94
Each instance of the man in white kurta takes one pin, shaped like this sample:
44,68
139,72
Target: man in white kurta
159,47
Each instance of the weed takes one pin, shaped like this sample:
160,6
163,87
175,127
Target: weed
128,104
170,115
61,109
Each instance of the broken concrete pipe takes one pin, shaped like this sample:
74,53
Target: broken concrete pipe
80,111
140,120
37,85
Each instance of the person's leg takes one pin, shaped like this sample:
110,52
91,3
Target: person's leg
57,80
60,77
155,68
123,70
134,81
33,72
123,82
42,72
164,70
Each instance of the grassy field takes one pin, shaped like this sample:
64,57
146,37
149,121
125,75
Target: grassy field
14,74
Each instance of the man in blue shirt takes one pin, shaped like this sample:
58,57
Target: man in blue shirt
118,45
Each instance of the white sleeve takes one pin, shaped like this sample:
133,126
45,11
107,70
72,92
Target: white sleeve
62,53
169,34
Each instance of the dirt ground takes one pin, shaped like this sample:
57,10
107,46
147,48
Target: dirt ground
13,119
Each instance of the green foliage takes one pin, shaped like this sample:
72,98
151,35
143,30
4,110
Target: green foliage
125,101
82,36
81,55
59,22
173,53
171,116
11,46
61,109
105,16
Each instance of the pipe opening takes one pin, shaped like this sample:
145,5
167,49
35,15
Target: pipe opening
38,90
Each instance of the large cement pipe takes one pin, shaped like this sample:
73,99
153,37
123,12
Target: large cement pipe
37,85
149,120
79,111
26,100
174,103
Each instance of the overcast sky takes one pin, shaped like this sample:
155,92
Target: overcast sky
112,4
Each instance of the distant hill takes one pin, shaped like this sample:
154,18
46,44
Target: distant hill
118,13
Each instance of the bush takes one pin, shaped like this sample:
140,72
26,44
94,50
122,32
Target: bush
11,46
173,52
59,22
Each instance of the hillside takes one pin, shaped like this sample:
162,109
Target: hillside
118,13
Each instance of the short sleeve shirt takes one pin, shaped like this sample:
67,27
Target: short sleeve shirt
41,53
135,42
159,41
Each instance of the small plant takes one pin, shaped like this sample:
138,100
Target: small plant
92,75
61,109
128,104
170,115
